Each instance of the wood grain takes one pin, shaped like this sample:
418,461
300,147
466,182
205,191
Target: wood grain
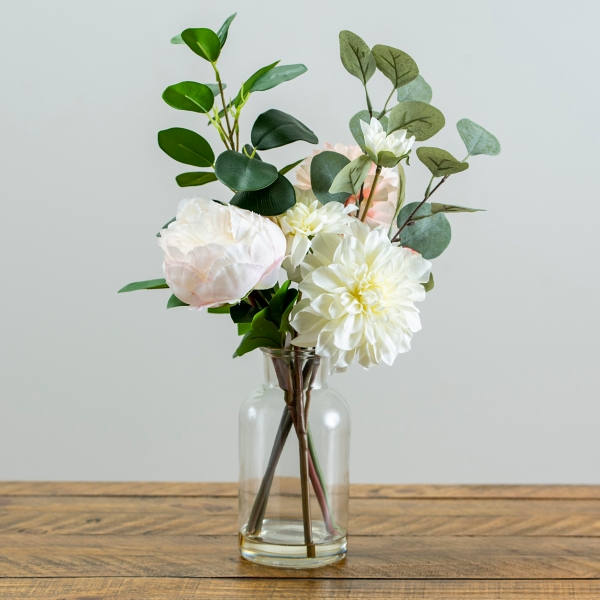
418,557
251,589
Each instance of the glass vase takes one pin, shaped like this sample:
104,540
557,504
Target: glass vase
294,452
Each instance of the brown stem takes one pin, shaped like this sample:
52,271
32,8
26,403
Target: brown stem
428,194
371,194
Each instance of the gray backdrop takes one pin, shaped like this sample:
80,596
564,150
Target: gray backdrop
502,383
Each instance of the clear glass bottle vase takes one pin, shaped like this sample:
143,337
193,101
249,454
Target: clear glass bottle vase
294,451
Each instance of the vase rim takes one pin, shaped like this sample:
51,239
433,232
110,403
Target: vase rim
290,352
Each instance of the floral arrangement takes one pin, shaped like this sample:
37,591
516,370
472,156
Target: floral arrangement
356,255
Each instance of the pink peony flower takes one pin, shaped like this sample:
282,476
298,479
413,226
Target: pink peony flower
385,199
216,254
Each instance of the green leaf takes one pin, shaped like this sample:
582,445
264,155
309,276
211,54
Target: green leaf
186,147
219,310
418,89
275,128
356,56
166,225
389,159
280,302
149,284
277,76
436,207
440,162
195,178
289,167
245,89
264,334
418,118
214,88
324,168
430,283
352,176
396,65
428,236
270,201
243,312
243,328
477,139
189,95
177,39
175,302
356,130
224,29
241,173
204,42
249,151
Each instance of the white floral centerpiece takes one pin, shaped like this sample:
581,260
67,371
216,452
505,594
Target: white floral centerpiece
330,266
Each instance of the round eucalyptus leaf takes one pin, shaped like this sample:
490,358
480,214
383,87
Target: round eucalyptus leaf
247,85
189,95
477,139
275,128
356,56
270,201
195,178
418,89
186,147
418,118
429,235
277,76
396,65
356,130
324,168
440,162
203,42
241,173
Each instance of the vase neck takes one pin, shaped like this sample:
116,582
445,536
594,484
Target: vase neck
285,368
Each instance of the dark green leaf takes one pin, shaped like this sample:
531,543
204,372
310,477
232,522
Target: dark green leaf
150,284
166,225
356,56
186,146
177,39
436,207
277,76
264,334
189,95
204,42
429,236
243,312
242,174
418,118
275,128
418,90
396,65
245,89
220,310
224,30
352,176
195,178
324,168
289,167
175,302
280,302
356,130
440,162
430,283
270,201
477,139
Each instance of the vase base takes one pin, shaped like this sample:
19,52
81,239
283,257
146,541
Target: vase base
280,545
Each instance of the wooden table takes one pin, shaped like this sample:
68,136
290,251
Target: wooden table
92,541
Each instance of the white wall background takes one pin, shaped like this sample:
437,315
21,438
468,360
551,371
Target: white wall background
502,384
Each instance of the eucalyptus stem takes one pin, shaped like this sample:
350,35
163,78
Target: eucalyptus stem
221,90
369,105
371,194
382,113
428,193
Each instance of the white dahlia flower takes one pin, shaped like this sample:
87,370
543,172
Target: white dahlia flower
359,295
385,198
304,220
215,254
376,139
